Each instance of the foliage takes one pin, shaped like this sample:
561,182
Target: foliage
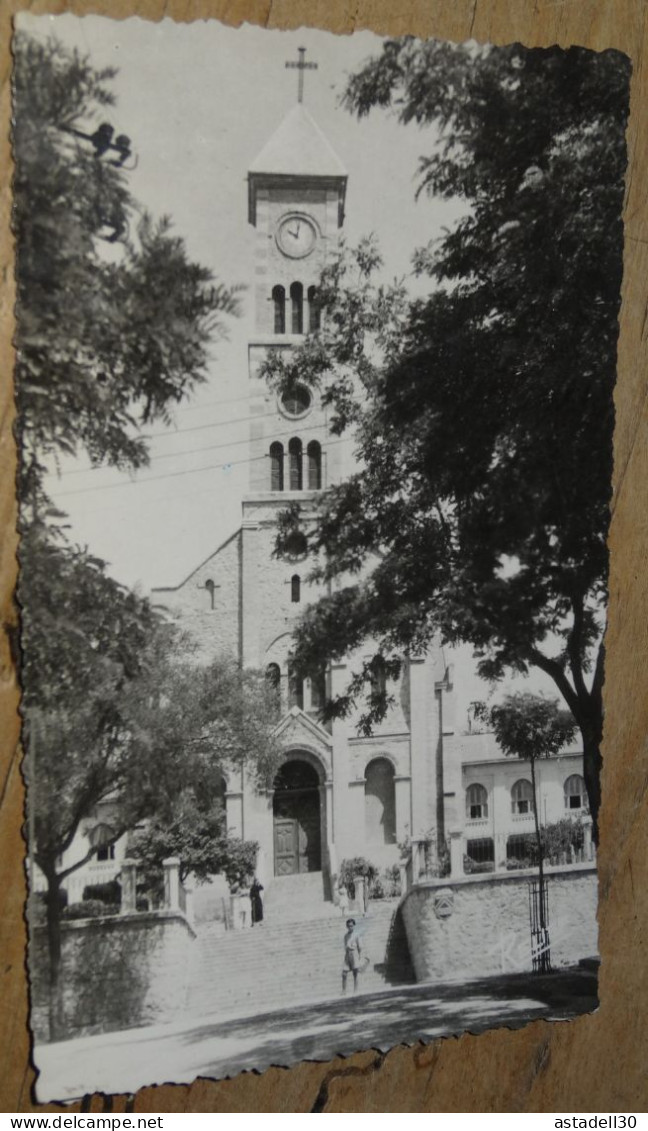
89,909
386,885
530,726
199,838
482,412
477,867
115,708
109,892
114,320
356,866
559,840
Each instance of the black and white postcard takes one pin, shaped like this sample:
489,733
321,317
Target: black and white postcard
316,349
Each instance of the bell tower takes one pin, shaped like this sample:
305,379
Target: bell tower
296,194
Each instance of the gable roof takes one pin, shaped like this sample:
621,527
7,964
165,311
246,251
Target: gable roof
298,148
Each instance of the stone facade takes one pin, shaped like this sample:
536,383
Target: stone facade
116,972
478,926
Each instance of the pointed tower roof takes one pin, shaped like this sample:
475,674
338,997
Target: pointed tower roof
297,150
298,147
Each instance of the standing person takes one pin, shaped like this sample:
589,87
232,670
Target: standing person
343,896
256,901
352,955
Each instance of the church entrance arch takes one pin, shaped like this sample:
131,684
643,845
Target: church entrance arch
297,819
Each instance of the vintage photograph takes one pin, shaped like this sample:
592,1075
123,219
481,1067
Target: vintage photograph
316,352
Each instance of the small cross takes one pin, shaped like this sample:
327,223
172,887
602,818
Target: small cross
301,65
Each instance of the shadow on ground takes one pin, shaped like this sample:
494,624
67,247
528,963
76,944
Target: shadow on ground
382,1020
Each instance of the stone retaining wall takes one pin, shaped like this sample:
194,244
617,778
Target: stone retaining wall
116,972
478,926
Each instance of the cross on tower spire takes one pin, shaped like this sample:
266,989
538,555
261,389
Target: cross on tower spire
301,65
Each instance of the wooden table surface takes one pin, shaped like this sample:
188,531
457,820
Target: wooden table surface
598,1062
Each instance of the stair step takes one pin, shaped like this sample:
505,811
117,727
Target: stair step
279,963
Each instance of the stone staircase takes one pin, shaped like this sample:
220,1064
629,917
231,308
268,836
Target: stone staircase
295,899
282,963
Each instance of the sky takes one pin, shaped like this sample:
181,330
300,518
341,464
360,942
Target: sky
199,101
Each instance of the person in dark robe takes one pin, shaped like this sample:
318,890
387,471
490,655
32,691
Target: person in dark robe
256,901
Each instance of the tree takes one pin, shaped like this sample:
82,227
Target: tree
531,727
115,324
196,833
482,413
114,320
117,711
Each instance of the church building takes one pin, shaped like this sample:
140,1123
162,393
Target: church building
337,795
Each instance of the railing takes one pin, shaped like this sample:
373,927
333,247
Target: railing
422,863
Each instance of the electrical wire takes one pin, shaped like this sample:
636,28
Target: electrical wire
176,474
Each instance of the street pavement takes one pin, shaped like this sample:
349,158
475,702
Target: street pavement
215,1048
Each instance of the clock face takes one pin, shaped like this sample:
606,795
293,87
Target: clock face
296,236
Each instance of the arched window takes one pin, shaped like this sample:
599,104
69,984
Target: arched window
279,305
295,588
220,791
297,308
378,676
276,467
314,313
314,453
318,690
295,462
380,802
210,587
522,797
273,679
295,689
476,802
575,795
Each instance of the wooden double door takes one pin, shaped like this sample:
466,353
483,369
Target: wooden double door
297,821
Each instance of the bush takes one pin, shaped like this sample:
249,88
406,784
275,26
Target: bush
477,867
357,866
90,909
106,893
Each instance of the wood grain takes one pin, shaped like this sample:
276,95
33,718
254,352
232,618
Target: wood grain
596,1063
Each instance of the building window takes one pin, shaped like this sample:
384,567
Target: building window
276,467
295,462
522,797
295,545
480,852
210,587
476,802
279,306
521,852
273,680
318,690
314,311
297,308
314,453
575,795
296,401
378,677
380,802
295,588
295,689
102,838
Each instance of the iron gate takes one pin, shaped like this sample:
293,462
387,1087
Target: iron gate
539,922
